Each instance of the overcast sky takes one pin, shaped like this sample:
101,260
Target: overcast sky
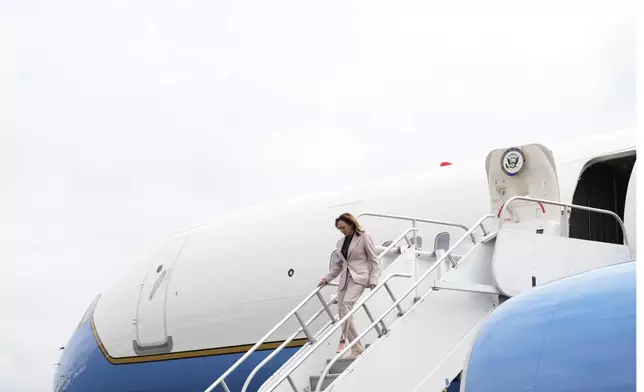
122,122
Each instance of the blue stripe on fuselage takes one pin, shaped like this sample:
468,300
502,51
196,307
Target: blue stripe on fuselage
83,367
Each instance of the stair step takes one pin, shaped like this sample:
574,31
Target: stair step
340,365
327,381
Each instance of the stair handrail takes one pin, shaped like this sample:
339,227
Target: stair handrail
567,205
316,291
363,301
277,350
286,342
418,219
397,302
221,379
337,324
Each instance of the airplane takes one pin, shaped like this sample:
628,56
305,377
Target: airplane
573,334
188,310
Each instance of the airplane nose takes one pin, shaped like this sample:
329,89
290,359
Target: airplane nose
74,359
76,354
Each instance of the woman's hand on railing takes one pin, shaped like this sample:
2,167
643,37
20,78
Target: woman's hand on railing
323,282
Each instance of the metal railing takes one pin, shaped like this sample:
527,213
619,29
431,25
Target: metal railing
374,323
415,220
265,361
329,332
304,327
293,312
283,345
566,207
444,257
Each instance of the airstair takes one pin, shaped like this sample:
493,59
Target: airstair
418,323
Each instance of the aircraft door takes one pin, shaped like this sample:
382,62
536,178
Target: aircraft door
151,333
527,170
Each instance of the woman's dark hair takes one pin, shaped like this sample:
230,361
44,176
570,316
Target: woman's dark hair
351,221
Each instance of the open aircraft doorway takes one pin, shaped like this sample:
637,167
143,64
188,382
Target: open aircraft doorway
604,184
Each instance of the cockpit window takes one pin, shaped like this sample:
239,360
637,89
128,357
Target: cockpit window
90,311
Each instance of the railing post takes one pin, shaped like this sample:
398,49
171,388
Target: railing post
305,328
366,310
384,327
391,294
290,381
485,232
563,211
415,261
452,261
413,225
439,254
326,307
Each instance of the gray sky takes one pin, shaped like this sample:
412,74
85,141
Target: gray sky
122,122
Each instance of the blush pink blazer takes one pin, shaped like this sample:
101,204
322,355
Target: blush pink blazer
361,262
